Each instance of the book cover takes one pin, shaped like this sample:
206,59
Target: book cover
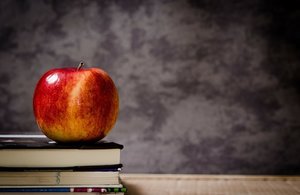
108,168
42,142
40,152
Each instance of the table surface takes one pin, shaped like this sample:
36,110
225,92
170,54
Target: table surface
144,184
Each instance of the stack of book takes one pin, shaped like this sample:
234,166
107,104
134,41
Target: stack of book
37,164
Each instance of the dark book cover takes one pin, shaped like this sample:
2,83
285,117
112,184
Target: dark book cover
102,168
42,142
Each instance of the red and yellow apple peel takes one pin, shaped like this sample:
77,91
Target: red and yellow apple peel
76,104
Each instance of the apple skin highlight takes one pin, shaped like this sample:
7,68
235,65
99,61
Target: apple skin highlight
75,105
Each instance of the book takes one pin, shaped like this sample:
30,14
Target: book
59,178
62,193
36,164
109,168
64,189
40,152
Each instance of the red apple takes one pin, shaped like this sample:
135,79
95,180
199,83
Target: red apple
75,104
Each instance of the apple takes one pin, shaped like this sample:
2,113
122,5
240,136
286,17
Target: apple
74,105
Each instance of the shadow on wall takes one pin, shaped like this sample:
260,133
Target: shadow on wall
283,35
283,61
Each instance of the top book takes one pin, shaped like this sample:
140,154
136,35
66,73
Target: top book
40,152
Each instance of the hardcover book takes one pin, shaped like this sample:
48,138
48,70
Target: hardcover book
33,151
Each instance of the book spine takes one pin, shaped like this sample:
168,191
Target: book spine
34,189
100,190
76,189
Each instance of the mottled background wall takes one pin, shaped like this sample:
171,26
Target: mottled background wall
205,86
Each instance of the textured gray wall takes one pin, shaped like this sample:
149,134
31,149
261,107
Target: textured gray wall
205,86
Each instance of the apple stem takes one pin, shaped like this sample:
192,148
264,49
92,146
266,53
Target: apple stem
80,65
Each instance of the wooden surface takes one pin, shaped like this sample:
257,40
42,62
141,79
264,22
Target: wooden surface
146,184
